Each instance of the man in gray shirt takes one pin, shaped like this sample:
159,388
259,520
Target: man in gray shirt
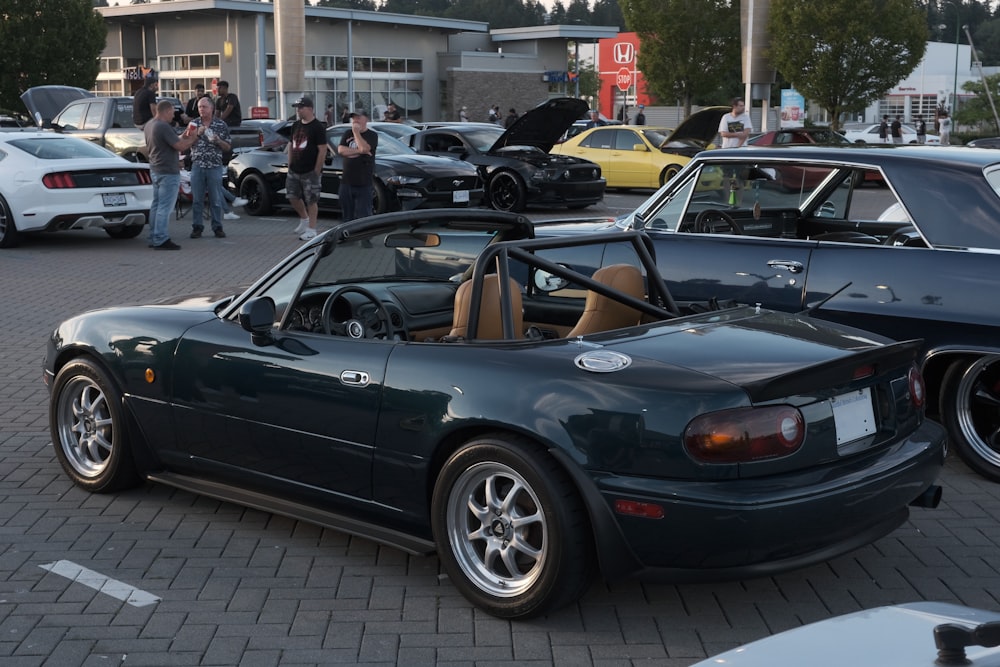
164,147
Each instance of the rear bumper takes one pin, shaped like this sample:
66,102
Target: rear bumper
733,529
93,220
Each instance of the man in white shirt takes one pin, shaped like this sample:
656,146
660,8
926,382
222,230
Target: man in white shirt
736,126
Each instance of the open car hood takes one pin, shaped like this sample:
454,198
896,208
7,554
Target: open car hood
45,102
544,125
698,129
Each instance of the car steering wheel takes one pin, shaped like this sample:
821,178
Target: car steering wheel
701,221
377,324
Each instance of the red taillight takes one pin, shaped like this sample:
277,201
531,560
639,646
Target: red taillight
918,391
58,181
260,137
641,510
745,434
144,177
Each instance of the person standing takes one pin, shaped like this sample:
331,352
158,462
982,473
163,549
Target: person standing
357,147
392,114
945,124
163,145
228,106
883,130
191,109
306,155
736,126
144,101
595,119
328,117
921,130
511,117
206,168
896,130
640,117
463,115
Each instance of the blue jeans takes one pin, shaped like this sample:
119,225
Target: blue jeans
165,189
206,179
355,201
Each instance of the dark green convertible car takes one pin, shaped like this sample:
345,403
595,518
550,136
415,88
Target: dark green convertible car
531,424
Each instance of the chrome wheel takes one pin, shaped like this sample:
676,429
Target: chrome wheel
497,530
86,427
970,409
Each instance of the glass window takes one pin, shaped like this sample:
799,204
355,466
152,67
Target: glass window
380,64
71,117
625,140
341,63
211,61
414,66
397,65
599,139
94,117
362,64
196,62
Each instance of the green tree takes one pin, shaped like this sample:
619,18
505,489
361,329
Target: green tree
977,111
846,54
689,47
590,80
48,41
607,12
348,4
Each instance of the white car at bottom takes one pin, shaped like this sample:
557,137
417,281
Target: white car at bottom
918,634
868,134
51,182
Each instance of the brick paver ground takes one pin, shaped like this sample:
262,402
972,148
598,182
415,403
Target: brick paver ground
242,587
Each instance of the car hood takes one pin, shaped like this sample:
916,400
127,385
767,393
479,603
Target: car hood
45,102
768,354
544,125
430,164
897,636
698,129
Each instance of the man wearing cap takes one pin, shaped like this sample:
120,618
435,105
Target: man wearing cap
640,118
357,147
306,153
144,101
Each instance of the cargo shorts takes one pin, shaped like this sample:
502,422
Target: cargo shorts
303,186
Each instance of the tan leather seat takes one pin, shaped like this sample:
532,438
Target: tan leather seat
603,314
490,312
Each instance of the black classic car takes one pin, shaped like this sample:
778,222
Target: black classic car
515,163
797,227
528,432
404,180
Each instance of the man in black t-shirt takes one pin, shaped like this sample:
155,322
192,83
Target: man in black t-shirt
144,101
306,154
228,106
357,147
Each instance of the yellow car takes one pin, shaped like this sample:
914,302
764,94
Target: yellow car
642,156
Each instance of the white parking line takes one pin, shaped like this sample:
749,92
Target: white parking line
116,589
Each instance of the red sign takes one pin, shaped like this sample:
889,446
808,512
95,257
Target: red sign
259,112
215,87
624,79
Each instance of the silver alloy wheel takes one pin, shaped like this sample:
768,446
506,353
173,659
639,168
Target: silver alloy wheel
85,426
497,529
977,409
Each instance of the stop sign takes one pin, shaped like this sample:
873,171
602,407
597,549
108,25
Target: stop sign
624,79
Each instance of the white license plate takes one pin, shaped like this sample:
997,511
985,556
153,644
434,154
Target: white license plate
853,415
460,196
114,198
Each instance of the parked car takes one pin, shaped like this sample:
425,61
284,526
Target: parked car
985,142
868,134
798,135
404,180
790,231
917,634
270,130
51,182
526,432
641,156
515,164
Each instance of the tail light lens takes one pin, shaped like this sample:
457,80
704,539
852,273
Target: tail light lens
745,434
58,181
918,391
144,177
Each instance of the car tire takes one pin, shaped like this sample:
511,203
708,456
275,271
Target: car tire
668,173
8,230
970,411
380,199
258,195
510,528
506,192
128,232
87,425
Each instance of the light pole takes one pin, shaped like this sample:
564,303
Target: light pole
954,86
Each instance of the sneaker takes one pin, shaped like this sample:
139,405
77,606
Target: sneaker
240,201
303,226
308,234
219,234
167,245
231,216
196,233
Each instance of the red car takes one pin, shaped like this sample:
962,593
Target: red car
808,135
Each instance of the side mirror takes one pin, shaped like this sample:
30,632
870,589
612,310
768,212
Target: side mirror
257,317
640,148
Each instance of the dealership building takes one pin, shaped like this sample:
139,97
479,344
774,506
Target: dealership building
428,67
